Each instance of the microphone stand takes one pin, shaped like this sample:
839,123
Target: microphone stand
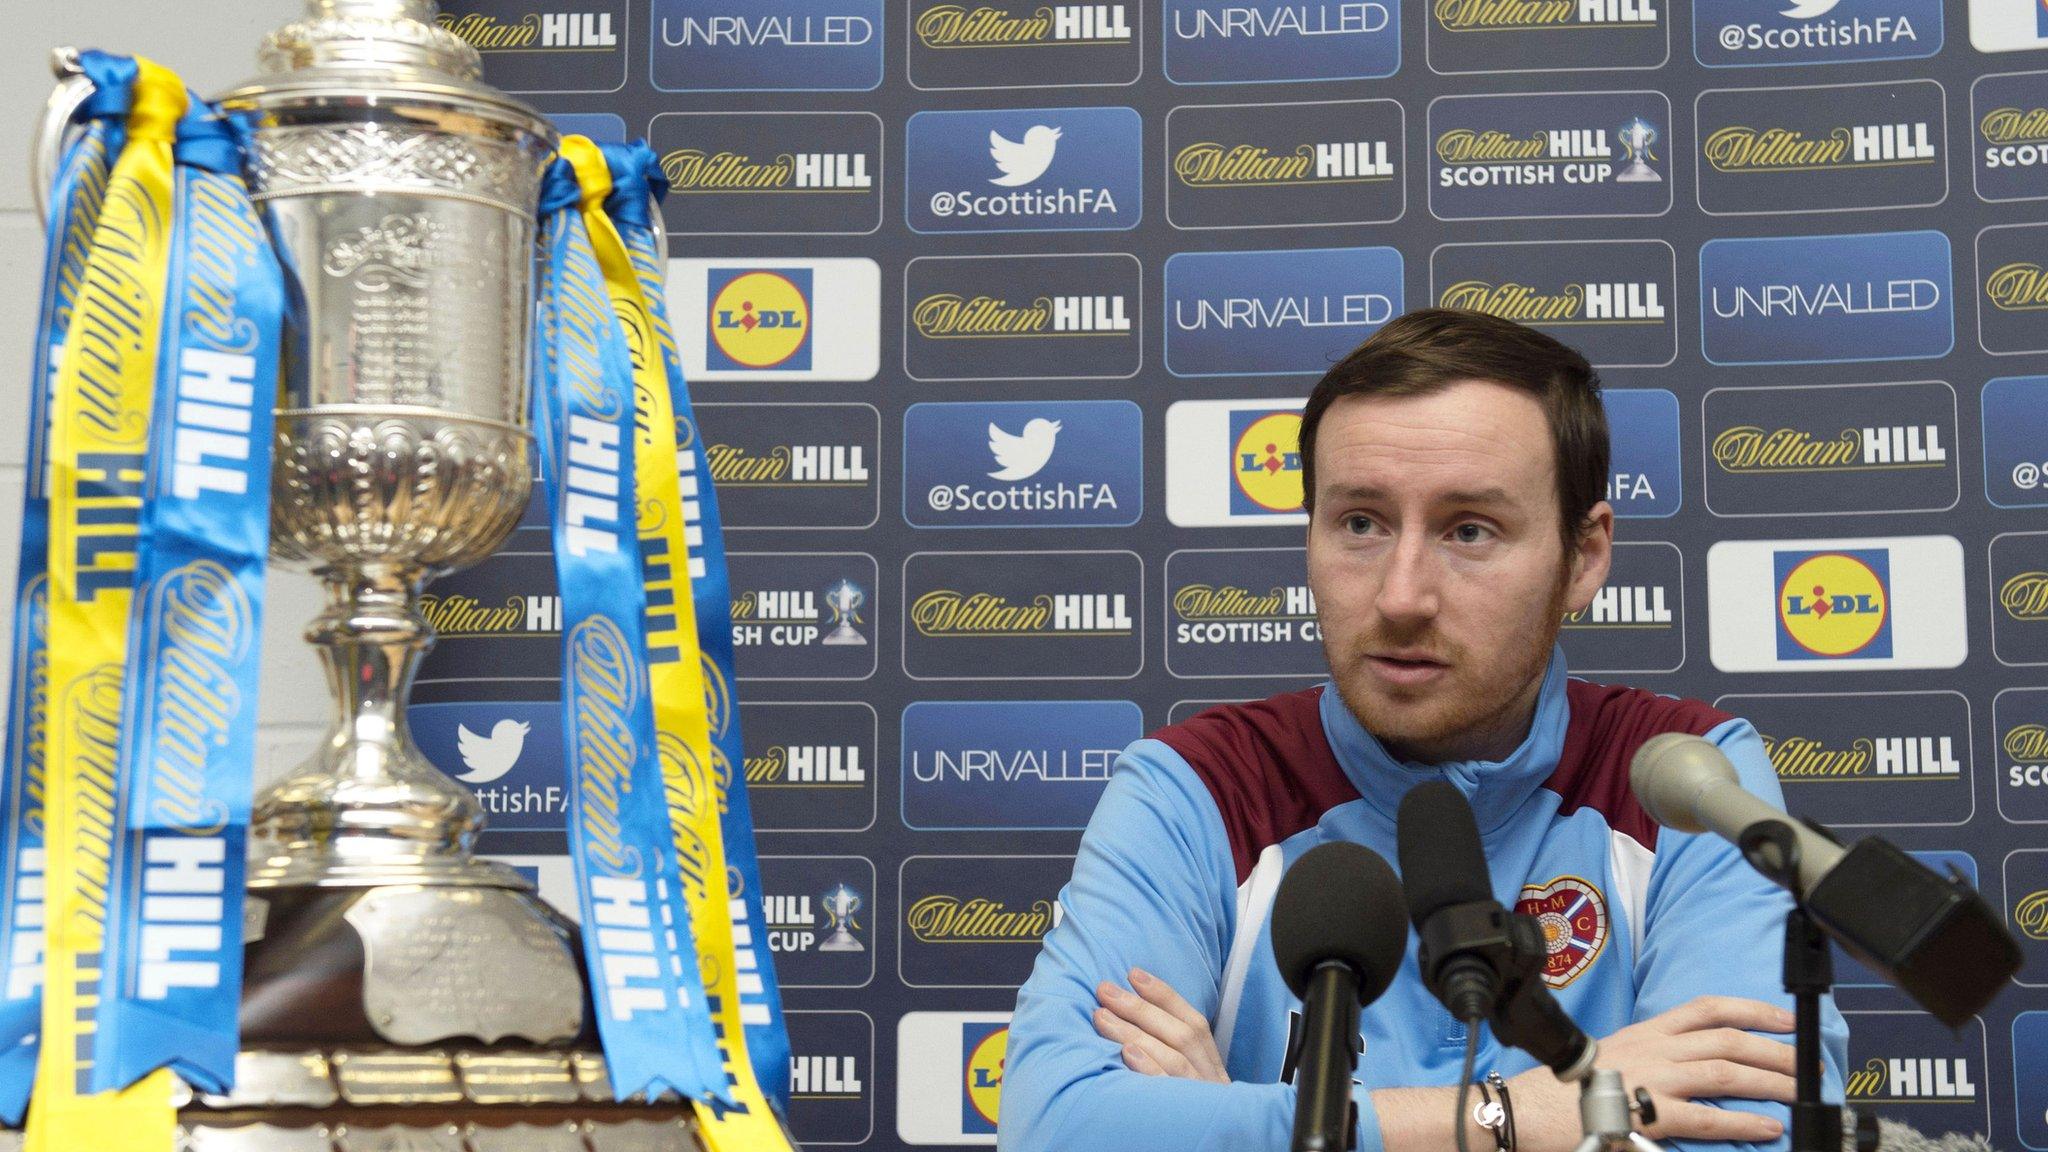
1325,1114
1606,1114
1772,849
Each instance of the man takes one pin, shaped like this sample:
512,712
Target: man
1454,466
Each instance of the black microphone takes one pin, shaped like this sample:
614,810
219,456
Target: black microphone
1338,938
1468,949
1476,957
1931,935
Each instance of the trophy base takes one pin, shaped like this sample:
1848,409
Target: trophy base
419,1018
443,1099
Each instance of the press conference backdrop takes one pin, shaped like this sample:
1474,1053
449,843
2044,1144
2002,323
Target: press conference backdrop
999,317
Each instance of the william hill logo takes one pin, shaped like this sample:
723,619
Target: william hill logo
466,616
1229,614
995,26
1527,15
951,920
775,607
947,613
2006,126
788,466
1623,606
2026,745
1804,758
1921,1079
951,316
695,170
1210,164
1231,602
825,1077
806,766
1738,148
1750,449
1833,605
2025,596
534,32
2018,287
2030,916
1492,146
1607,302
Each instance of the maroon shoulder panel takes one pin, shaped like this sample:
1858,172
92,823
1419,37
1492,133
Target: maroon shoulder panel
1268,766
1608,723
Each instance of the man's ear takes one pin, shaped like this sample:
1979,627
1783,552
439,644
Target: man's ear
1593,557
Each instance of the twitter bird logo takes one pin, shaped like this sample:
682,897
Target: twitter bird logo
489,757
1808,9
1020,164
1020,457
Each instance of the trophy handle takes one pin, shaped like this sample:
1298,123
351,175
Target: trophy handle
46,148
660,237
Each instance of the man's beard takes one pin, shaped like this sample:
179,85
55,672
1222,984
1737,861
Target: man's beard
1473,708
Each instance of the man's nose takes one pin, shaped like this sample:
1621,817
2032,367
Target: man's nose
1408,589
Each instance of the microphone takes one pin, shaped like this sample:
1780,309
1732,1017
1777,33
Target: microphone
1930,935
1467,946
1338,939
1481,961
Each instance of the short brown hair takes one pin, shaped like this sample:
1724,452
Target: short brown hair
1430,349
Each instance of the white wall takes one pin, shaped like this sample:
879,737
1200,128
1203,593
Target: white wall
212,44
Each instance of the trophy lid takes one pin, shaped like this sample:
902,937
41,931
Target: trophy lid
365,52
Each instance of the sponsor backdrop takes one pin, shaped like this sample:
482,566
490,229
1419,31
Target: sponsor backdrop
1000,314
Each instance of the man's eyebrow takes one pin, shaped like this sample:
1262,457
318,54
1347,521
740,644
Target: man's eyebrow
1468,496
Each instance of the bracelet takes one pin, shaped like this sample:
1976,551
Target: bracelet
1496,1115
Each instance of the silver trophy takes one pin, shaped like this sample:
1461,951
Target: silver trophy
387,966
1636,138
844,599
840,905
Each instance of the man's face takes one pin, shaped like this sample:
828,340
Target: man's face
1439,574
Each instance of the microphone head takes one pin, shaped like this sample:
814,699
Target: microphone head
1339,901
1670,771
1442,862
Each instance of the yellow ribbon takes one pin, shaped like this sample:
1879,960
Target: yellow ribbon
99,439
681,721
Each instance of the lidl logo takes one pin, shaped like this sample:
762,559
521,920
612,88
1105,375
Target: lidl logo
983,1047
950,1076
1265,462
1833,605
760,319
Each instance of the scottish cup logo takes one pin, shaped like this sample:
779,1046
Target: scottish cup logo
844,600
840,905
1636,138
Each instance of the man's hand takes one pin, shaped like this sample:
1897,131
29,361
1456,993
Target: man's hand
1699,1050
1161,1034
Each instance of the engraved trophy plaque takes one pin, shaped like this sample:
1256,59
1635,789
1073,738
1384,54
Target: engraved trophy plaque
399,992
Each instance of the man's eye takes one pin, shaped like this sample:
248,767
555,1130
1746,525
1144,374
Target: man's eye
1358,525
1470,533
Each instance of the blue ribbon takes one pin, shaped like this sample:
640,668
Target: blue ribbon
74,207
651,1011
637,183
171,980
